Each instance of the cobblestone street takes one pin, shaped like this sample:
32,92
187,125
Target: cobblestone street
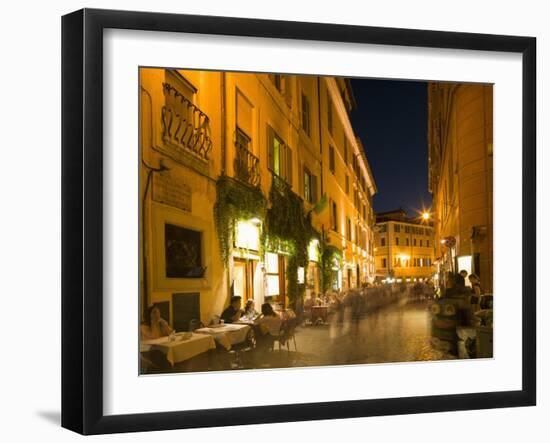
397,333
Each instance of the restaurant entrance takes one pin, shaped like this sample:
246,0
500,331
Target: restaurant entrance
243,278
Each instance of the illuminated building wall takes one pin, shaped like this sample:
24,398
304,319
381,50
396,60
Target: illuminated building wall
201,125
460,125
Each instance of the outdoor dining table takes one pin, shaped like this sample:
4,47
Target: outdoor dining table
245,321
180,349
227,334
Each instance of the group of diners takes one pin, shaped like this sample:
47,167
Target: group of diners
266,327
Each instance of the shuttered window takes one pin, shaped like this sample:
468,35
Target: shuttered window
279,156
244,114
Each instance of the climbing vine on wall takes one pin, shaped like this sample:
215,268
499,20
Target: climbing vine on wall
330,254
289,230
235,201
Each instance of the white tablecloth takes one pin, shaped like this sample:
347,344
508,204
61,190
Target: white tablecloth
179,350
227,335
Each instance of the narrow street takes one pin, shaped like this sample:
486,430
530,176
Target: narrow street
397,333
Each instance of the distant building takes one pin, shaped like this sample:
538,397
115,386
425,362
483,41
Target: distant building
460,132
404,248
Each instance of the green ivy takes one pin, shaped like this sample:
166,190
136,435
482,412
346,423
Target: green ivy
235,201
329,253
289,230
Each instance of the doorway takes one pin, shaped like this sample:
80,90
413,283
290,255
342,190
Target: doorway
243,278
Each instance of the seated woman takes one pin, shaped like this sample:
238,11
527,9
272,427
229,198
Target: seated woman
268,325
154,326
249,311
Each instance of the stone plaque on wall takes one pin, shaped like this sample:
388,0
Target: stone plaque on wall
171,192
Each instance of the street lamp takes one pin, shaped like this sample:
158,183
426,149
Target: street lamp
425,216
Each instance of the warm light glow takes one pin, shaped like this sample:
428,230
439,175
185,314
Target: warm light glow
301,275
272,285
425,216
404,257
271,263
313,250
247,235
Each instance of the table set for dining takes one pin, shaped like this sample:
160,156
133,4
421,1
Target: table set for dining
183,346
180,346
226,334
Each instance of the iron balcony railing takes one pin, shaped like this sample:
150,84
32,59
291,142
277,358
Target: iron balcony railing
184,124
246,165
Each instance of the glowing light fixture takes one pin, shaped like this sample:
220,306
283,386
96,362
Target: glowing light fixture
301,275
247,235
313,250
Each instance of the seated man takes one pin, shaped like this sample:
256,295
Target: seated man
233,312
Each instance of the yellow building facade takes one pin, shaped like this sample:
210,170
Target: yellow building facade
404,248
460,132
236,150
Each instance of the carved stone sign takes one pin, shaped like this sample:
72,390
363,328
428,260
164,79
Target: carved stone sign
172,192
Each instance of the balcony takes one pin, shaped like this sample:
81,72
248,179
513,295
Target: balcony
184,125
246,165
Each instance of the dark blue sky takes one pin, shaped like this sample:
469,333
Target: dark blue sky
391,120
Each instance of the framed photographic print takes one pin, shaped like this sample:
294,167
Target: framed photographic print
269,221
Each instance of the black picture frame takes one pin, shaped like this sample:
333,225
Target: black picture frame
82,219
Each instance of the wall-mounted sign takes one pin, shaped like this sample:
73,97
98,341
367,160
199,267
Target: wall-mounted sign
171,192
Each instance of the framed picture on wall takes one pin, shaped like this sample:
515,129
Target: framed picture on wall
294,208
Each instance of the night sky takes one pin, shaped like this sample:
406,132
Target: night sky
391,120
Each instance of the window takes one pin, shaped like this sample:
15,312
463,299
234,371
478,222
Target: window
244,114
382,241
383,228
278,81
384,263
331,159
242,139
334,217
397,262
348,231
329,114
272,273
414,241
183,86
407,241
345,150
310,186
397,241
396,228
305,114
279,156
407,229
183,252
420,242
427,243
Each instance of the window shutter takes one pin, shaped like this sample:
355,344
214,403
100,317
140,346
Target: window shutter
289,165
270,153
313,189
